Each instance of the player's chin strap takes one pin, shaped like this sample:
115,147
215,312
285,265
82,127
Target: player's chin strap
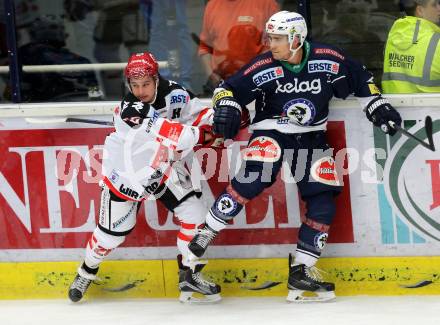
293,52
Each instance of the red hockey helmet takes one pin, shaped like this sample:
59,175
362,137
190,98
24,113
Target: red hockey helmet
140,65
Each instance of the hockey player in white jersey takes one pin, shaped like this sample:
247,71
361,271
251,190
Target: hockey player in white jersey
155,125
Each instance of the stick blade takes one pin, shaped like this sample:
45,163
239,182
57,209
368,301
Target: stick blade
428,128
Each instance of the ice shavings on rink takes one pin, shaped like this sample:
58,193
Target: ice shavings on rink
359,310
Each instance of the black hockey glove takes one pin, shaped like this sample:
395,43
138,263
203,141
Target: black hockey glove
380,112
227,114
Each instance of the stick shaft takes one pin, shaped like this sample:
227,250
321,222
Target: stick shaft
84,120
412,136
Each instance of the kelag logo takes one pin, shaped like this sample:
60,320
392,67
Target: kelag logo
411,185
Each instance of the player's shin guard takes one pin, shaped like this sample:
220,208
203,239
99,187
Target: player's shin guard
225,208
305,281
182,269
184,236
192,283
98,248
192,215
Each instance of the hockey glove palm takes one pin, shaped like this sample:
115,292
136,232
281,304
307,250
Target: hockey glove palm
227,114
380,112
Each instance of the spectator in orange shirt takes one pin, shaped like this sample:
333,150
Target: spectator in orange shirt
232,34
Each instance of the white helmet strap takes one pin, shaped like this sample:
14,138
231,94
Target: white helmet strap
294,51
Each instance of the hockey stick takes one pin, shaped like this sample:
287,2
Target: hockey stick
90,121
36,120
419,284
265,285
428,129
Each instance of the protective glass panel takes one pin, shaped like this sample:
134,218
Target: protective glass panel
359,27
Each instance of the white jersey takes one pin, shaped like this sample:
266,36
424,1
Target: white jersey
146,140
178,104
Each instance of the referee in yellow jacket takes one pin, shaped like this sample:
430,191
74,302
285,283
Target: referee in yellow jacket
412,52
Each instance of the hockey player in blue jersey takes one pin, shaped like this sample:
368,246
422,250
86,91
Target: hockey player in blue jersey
292,86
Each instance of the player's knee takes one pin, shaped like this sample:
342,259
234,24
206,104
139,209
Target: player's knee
191,211
253,179
106,240
262,161
99,246
321,207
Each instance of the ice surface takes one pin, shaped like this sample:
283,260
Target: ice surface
415,310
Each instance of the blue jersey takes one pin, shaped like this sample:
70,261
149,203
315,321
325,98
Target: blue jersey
295,99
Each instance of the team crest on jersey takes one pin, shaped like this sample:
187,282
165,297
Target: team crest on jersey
226,205
320,240
324,171
268,75
263,149
299,111
323,66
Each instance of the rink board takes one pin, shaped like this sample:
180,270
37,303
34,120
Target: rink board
237,277
49,201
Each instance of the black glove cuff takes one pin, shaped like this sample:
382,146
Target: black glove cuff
228,103
373,108
374,104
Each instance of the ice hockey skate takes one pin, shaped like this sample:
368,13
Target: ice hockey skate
201,240
81,282
305,284
194,288
182,269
